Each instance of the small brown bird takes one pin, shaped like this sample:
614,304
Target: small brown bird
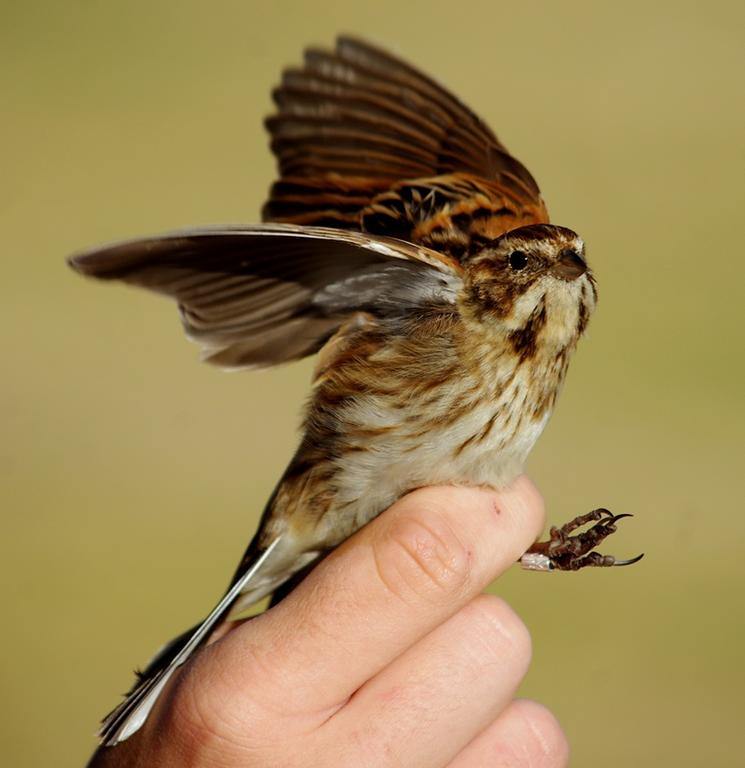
414,252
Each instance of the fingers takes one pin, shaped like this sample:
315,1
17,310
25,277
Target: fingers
526,735
388,632
378,594
440,694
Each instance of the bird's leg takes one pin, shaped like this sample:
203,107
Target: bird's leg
566,552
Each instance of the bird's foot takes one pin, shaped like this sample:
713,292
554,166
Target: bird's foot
564,552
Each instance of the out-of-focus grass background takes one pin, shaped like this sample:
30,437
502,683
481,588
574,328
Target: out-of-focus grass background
131,477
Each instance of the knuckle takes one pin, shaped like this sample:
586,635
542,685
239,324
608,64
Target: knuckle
545,742
194,723
203,719
422,554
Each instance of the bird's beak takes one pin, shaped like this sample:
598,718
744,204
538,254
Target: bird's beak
570,265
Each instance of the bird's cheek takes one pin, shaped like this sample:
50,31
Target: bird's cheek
487,301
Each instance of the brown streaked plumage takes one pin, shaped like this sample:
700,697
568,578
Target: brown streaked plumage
406,245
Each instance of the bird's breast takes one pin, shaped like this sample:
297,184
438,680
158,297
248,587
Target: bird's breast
473,430
432,413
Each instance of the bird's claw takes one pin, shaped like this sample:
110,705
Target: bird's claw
566,552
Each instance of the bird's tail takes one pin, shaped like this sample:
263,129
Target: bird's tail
129,716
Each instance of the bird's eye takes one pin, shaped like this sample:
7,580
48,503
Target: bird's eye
518,260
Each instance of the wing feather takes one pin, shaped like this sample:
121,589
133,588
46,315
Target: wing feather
269,293
357,122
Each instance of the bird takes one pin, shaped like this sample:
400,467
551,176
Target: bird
405,246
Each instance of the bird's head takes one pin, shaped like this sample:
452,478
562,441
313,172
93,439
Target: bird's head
534,277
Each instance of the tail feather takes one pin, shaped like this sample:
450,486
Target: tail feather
129,716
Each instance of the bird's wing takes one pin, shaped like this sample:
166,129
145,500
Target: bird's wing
353,123
265,294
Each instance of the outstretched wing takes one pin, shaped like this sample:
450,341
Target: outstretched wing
354,123
266,294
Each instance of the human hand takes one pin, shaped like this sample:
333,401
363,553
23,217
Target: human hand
387,654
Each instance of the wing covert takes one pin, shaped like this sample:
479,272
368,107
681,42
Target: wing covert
356,128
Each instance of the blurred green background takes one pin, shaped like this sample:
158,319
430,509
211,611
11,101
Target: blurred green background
131,477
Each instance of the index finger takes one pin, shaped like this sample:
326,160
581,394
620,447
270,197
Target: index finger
381,591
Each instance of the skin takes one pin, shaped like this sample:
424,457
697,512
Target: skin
386,655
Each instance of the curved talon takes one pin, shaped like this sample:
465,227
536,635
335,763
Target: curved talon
630,561
616,518
566,552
